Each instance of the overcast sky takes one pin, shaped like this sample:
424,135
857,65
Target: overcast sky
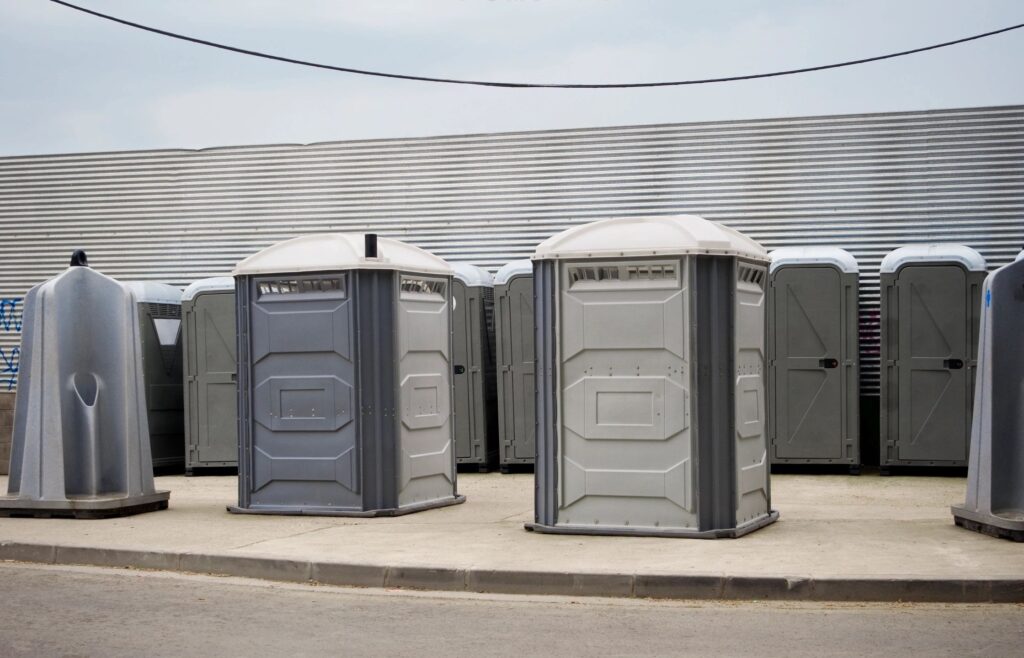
71,82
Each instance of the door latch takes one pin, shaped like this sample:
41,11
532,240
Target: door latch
953,364
458,370
828,363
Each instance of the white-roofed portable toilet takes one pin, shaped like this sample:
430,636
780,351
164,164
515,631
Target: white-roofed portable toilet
813,355
209,342
513,338
930,306
159,308
651,380
994,503
344,378
476,418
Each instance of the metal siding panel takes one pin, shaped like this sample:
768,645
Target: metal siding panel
867,183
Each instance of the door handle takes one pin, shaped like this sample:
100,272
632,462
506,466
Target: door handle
459,369
953,364
828,363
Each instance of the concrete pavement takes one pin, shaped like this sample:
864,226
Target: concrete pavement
839,538
84,611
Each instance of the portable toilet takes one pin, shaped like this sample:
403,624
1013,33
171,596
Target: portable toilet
813,353
930,306
476,418
344,378
159,307
651,380
513,337
80,446
211,395
995,478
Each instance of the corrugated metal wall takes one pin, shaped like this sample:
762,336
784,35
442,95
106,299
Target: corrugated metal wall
868,183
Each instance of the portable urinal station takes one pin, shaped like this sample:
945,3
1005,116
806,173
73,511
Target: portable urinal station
995,478
81,432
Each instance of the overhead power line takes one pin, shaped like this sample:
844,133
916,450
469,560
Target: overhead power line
493,83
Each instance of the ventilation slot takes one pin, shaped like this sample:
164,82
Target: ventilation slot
334,287
418,286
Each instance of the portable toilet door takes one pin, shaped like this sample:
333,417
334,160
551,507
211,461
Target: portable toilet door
651,380
344,378
514,342
209,342
930,303
813,350
160,323
476,418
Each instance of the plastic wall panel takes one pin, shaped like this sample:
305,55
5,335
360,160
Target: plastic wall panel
211,404
426,452
930,330
752,494
813,352
514,341
625,443
303,405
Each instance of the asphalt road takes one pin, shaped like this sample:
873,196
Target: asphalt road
97,612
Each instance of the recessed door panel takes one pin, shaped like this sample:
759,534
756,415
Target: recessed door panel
425,376
216,360
523,370
808,352
933,372
304,434
624,405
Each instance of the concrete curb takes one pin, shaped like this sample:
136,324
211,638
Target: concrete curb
655,586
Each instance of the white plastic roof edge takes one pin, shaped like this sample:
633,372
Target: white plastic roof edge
649,236
840,258
334,252
472,276
213,284
512,269
929,253
1020,256
149,292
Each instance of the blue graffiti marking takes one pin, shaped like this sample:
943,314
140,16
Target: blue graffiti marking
9,319
9,367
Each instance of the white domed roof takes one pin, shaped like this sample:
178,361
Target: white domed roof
515,268
649,236
472,276
331,252
149,292
930,253
840,258
216,283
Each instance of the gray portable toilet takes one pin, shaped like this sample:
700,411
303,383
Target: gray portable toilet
209,342
81,436
476,418
813,354
159,308
651,380
994,503
513,338
930,306
344,378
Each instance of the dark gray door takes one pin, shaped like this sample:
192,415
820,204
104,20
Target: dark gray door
304,434
932,363
523,379
462,343
808,350
216,365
